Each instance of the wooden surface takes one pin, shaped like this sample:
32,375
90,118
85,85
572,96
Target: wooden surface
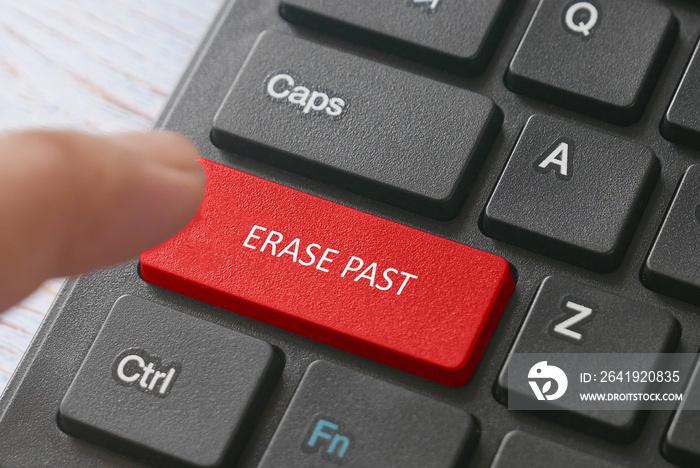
93,65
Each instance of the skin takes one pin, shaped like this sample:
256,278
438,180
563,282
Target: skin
71,203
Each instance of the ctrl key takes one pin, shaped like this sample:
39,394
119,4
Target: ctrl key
169,388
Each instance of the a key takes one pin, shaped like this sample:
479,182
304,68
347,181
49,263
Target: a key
522,449
681,123
455,35
572,193
339,417
391,135
681,444
599,57
571,317
673,265
168,387
387,292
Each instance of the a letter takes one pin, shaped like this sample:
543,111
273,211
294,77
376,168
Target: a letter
272,92
311,104
147,371
349,267
252,236
335,107
318,432
299,96
372,267
156,377
122,364
408,276
312,257
564,328
389,283
557,158
164,388
271,242
325,258
287,250
334,443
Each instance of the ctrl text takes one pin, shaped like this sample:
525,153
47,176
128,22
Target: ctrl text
135,368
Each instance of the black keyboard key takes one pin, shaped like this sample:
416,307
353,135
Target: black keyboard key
455,35
681,123
681,445
601,57
381,132
339,416
572,192
168,387
522,449
673,265
570,317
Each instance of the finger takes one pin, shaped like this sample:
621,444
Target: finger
71,202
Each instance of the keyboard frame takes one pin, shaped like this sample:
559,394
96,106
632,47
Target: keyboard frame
29,435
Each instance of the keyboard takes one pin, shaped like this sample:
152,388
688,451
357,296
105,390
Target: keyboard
403,199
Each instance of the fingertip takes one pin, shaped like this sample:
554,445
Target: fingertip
161,147
73,202
169,153
165,194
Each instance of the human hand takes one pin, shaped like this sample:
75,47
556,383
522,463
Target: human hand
71,202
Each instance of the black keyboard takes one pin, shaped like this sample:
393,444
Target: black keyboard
402,197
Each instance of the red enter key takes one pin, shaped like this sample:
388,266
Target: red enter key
366,285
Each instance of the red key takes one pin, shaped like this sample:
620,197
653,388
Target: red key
366,285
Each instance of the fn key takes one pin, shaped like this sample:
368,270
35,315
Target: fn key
339,417
381,132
